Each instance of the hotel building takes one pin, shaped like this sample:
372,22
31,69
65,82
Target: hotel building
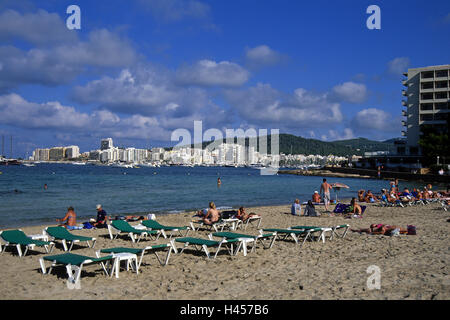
427,102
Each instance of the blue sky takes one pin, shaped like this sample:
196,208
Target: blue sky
137,70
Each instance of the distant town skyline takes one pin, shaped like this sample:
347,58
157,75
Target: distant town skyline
137,70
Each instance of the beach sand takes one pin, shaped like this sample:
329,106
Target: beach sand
412,267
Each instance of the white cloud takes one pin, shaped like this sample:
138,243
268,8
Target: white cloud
398,65
376,122
261,56
268,107
56,55
37,28
211,73
68,122
334,135
350,92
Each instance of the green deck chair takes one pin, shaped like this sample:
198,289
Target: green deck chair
203,244
335,229
74,264
294,234
61,233
141,252
18,238
121,226
256,238
154,225
314,229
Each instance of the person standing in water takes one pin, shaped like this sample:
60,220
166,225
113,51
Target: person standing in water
219,182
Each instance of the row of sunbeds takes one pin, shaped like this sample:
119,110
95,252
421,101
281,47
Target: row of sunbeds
234,242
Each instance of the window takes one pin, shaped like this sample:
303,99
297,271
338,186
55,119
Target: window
440,95
441,84
441,106
427,85
441,73
426,117
426,106
427,74
427,96
441,116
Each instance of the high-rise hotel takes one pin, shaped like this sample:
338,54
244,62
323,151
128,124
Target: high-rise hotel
427,103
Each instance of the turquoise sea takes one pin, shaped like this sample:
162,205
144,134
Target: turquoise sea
164,190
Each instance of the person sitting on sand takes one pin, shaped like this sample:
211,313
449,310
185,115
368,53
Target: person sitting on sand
370,198
355,209
382,229
316,197
296,209
70,218
361,195
242,215
310,210
102,218
212,216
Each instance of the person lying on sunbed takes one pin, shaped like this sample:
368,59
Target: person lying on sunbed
382,229
242,215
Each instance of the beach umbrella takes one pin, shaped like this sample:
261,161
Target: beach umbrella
337,186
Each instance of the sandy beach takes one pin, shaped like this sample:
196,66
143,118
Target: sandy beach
412,267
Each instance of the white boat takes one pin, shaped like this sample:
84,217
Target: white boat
29,164
79,163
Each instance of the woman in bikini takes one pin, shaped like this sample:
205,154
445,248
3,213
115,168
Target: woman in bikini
242,215
382,229
70,217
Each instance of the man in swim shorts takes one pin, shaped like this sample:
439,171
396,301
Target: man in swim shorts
325,188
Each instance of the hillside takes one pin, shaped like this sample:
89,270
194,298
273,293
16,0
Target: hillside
290,144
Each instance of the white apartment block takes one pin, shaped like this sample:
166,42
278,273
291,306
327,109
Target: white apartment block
427,103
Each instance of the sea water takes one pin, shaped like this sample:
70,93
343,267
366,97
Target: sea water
163,190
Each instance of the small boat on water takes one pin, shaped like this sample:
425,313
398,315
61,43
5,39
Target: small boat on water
77,163
29,164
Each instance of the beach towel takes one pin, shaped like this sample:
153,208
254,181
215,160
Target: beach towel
340,208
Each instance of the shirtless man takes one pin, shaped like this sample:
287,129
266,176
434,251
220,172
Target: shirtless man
212,215
71,219
325,187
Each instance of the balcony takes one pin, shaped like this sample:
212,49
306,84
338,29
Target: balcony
404,113
403,133
404,93
404,123
405,83
404,103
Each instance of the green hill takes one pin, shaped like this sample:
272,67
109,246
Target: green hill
290,144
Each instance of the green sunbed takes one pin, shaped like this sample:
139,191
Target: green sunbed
205,244
18,238
313,229
295,234
261,237
154,225
141,252
123,226
61,233
74,264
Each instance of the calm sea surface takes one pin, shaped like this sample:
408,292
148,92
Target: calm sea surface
150,190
